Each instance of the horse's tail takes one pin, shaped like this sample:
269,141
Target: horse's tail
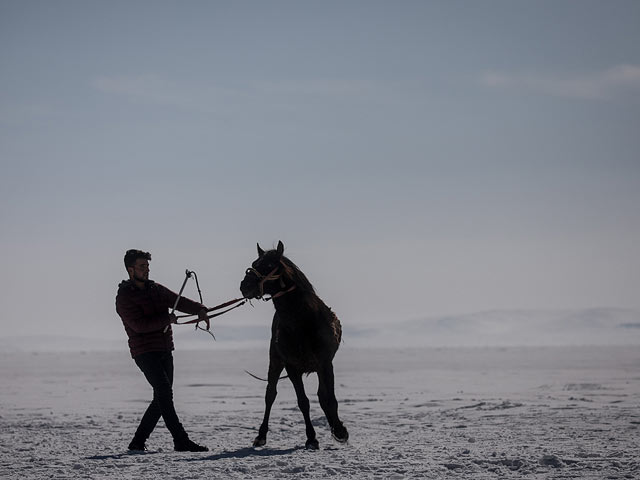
336,327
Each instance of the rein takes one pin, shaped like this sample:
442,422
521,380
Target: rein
237,301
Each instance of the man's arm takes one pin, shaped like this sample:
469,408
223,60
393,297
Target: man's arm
185,305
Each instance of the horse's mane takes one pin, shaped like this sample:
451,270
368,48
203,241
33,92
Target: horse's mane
295,275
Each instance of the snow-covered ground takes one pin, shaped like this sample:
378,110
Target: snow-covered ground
469,413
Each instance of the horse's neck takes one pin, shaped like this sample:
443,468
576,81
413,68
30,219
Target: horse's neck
288,301
296,302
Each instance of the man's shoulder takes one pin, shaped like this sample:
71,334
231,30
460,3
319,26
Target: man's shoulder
127,286
151,285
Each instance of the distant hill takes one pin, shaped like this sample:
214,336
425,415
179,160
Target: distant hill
596,326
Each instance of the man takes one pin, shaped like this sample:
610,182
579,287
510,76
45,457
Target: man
143,307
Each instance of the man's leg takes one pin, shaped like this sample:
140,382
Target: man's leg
158,370
152,367
147,424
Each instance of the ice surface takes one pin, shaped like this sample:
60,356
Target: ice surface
470,413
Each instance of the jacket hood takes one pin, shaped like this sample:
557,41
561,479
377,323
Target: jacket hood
129,284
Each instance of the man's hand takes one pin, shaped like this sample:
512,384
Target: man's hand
173,318
203,317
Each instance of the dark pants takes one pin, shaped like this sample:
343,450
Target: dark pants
158,370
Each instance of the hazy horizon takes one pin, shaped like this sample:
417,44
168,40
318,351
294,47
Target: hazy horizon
417,159
495,329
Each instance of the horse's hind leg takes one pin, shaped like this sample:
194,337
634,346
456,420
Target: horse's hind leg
303,404
328,402
275,369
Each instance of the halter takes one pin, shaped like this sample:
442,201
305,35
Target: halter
267,278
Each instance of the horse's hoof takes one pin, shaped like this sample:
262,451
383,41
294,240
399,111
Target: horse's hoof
340,434
259,442
312,444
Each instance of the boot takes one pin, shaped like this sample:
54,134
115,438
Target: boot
187,445
137,446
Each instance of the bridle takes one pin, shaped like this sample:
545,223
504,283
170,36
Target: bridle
271,276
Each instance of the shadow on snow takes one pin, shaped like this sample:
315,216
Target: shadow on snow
241,453
119,456
244,453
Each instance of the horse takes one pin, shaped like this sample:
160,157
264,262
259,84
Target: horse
305,336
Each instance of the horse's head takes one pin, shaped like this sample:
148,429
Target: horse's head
265,274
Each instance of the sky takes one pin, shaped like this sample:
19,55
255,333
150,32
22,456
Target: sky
416,158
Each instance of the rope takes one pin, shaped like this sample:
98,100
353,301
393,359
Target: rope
262,379
238,301
217,307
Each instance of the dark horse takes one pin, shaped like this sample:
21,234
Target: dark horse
305,336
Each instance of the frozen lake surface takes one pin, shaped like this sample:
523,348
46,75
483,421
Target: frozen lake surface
464,413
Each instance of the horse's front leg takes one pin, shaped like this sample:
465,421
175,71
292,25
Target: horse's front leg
303,403
275,369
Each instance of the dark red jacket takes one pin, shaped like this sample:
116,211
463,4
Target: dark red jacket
145,314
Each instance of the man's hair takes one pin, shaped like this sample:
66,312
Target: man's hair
132,255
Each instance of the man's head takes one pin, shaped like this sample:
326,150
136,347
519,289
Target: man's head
137,264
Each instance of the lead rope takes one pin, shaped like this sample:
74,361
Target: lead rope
238,301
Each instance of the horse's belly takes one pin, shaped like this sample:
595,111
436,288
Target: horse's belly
302,356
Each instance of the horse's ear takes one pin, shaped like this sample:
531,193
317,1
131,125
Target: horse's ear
280,247
260,251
